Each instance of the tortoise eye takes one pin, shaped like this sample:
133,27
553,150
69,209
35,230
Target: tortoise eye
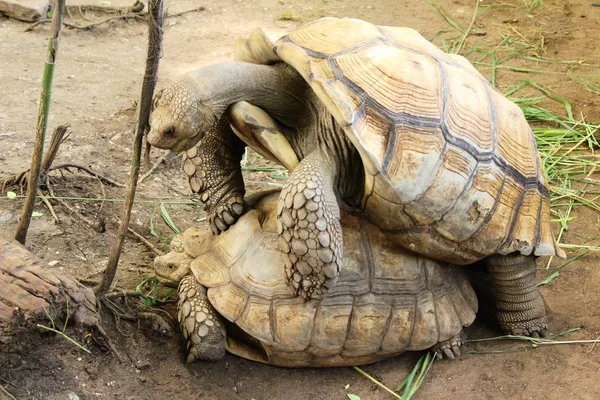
170,131
170,266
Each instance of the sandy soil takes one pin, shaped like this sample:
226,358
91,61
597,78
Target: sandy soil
97,82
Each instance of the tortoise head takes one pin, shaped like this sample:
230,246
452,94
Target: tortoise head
172,267
179,118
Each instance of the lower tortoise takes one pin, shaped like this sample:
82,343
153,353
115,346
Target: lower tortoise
380,122
233,296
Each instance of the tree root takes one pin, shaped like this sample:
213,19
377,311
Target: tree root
145,317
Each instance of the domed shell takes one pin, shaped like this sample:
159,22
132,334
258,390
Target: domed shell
451,164
386,300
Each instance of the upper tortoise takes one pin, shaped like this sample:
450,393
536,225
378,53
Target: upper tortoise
381,122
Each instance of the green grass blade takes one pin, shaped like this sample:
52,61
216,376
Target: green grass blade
426,364
449,20
167,218
152,231
375,381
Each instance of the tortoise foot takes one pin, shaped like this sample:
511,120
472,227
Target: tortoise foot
199,322
450,348
226,213
309,228
535,328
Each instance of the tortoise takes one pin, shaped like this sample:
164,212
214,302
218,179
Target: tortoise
378,121
233,295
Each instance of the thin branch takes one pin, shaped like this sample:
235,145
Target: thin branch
49,206
146,242
89,171
156,164
42,121
201,8
155,32
7,393
64,336
97,226
86,26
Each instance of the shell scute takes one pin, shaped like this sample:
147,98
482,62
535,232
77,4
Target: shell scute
451,179
331,326
467,111
495,232
367,326
515,141
414,160
329,36
293,322
256,319
473,206
391,87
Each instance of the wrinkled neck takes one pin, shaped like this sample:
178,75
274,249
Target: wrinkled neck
277,89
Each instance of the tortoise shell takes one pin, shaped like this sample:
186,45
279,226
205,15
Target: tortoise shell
451,165
387,300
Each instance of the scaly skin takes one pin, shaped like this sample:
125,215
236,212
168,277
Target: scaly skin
308,222
200,322
521,309
450,348
214,173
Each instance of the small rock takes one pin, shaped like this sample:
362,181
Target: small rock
72,396
53,263
143,365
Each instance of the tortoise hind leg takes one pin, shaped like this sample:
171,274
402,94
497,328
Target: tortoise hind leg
199,322
450,348
521,309
308,222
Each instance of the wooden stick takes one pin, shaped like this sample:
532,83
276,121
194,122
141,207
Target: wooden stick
155,32
58,11
7,393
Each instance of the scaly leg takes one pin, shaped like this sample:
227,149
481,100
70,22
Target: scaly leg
214,172
450,348
309,227
199,322
521,309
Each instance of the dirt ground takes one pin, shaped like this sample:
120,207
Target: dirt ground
96,84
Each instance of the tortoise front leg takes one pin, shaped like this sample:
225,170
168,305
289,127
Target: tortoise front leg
214,172
308,222
521,309
199,322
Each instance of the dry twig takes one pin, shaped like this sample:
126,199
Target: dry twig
49,206
97,226
86,26
155,32
7,393
89,171
156,164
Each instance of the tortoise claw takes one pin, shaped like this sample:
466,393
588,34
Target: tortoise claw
450,348
226,213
